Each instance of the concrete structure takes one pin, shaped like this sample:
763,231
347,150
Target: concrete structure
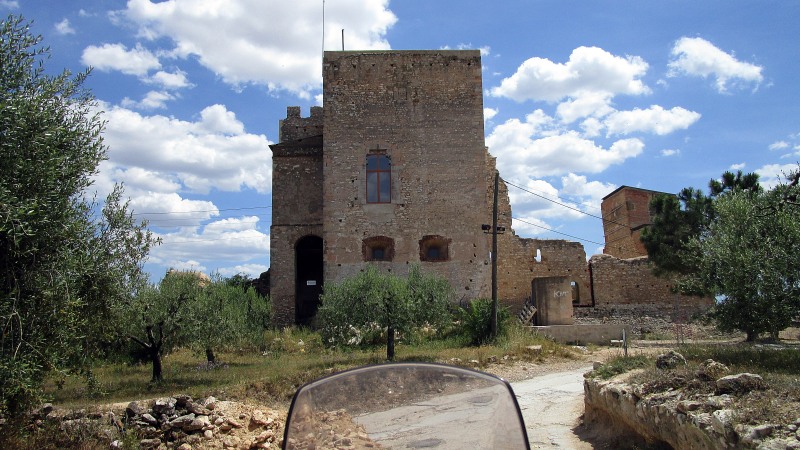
552,297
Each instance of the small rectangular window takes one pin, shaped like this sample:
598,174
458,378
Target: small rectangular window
378,254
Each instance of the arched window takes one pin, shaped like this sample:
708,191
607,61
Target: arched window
379,179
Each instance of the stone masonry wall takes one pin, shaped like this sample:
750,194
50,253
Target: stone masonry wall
522,260
295,127
296,204
628,287
424,110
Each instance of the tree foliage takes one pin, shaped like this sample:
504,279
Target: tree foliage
739,243
65,260
188,309
377,301
158,317
476,321
227,313
750,259
679,220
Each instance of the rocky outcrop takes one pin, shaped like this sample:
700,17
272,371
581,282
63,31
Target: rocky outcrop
657,418
674,417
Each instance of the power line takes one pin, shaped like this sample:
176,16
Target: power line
557,232
200,211
194,241
566,206
167,222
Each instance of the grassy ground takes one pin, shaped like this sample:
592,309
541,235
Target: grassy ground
272,373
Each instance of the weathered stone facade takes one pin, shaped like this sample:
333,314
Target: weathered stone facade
622,278
296,209
395,172
421,112
424,112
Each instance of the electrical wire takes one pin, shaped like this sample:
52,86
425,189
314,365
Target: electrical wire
565,205
557,232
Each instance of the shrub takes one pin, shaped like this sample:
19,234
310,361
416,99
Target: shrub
476,321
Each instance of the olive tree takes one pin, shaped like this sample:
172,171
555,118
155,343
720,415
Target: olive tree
384,302
159,317
227,313
65,259
749,259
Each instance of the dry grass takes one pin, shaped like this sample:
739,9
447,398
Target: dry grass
271,374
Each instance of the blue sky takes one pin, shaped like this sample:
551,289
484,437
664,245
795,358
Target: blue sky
580,98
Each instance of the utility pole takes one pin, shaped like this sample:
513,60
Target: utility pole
495,230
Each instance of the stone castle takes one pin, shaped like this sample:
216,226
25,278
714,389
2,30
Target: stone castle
394,171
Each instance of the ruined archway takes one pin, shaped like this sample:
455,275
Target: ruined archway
308,282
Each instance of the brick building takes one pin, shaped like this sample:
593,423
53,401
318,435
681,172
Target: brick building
395,172
626,211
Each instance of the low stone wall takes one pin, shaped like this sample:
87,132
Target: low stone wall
601,334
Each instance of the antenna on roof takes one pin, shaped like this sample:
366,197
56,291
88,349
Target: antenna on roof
323,27
342,39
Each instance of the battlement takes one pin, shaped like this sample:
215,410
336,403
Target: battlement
295,127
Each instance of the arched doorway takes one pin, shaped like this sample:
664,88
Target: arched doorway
308,284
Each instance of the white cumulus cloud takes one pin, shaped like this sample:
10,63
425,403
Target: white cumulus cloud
589,69
64,28
214,152
276,44
522,152
151,100
107,57
232,239
771,175
654,119
170,80
699,57
780,145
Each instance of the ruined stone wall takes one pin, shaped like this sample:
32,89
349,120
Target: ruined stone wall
628,287
521,260
296,204
424,110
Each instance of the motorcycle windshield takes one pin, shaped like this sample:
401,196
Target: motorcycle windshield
406,405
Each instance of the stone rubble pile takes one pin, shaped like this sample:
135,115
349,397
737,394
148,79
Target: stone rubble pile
180,422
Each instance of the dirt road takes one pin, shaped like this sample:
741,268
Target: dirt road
551,406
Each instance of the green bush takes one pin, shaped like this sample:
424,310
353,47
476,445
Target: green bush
620,365
476,321
373,306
